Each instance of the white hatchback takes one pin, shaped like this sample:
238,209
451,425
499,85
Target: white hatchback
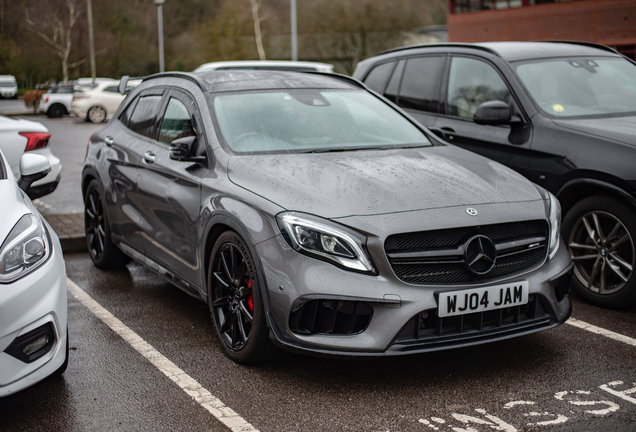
97,104
19,136
33,310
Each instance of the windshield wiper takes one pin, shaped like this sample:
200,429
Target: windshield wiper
344,149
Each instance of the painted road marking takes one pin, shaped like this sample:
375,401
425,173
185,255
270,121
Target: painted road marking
188,384
601,331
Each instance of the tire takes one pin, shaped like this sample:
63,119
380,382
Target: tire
56,111
235,302
604,264
104,253
58,373
96,114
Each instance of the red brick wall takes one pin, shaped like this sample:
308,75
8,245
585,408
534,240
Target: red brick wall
609,22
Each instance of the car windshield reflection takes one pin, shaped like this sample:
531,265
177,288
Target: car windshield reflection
311,120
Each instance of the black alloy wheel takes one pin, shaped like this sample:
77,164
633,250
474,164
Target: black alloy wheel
235,301
56,111
600,234
102,250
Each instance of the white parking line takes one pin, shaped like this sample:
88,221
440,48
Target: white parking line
188,384
601,331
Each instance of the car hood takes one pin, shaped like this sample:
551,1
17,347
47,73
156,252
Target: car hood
14,207
616,128
376,182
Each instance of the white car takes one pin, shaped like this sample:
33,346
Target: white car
8,87
56,102
33,309
99,103
280,65
19,136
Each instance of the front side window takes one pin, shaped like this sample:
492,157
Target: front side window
176,122
144,117
420,84
308,120
472,82
581,86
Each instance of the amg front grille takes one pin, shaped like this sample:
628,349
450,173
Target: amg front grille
439,257
426,330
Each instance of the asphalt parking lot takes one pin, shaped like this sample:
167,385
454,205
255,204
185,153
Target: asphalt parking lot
144,357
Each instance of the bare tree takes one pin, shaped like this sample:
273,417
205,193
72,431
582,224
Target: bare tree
57,31
256,5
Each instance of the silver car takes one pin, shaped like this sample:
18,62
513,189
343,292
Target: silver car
312,215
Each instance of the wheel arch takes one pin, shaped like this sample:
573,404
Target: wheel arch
577,189
217,225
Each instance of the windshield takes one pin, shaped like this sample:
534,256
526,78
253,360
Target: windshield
311,120
7,84
581,86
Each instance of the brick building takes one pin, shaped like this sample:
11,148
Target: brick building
608,22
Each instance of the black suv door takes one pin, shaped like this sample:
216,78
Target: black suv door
469,82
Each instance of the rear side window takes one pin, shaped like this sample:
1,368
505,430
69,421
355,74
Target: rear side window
112,89
144,117
421,84
176,122
377,77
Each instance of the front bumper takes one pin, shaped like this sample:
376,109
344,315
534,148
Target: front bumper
34,301
397,307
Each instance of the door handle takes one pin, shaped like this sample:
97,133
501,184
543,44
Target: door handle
109,141
149,157
449,133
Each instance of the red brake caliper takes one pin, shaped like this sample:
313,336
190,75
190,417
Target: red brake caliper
250,298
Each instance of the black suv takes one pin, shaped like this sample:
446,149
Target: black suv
562,114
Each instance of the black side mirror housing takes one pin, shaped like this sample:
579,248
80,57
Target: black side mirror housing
493,113
181,150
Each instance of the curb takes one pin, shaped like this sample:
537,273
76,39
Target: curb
69,227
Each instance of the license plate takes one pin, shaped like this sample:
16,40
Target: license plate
482,299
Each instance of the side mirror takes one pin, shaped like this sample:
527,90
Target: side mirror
33,167
181,150
493,113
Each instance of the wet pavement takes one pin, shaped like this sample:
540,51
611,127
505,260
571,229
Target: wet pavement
550,381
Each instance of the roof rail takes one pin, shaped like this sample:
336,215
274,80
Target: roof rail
195,79
587,44
439,45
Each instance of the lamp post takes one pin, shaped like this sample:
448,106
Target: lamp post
159,4
294,32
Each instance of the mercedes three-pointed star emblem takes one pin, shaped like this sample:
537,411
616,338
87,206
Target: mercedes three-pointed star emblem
480,255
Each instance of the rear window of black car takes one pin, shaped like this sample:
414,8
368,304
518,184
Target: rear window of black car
144,117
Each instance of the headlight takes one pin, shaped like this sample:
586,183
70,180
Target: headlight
325,240
555,224
26,247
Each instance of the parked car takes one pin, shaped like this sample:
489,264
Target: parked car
8,87
89,83
18,136
310,214
33,323
97,104
562,114
56,102
280,65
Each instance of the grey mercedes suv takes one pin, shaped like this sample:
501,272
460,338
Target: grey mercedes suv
311,215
